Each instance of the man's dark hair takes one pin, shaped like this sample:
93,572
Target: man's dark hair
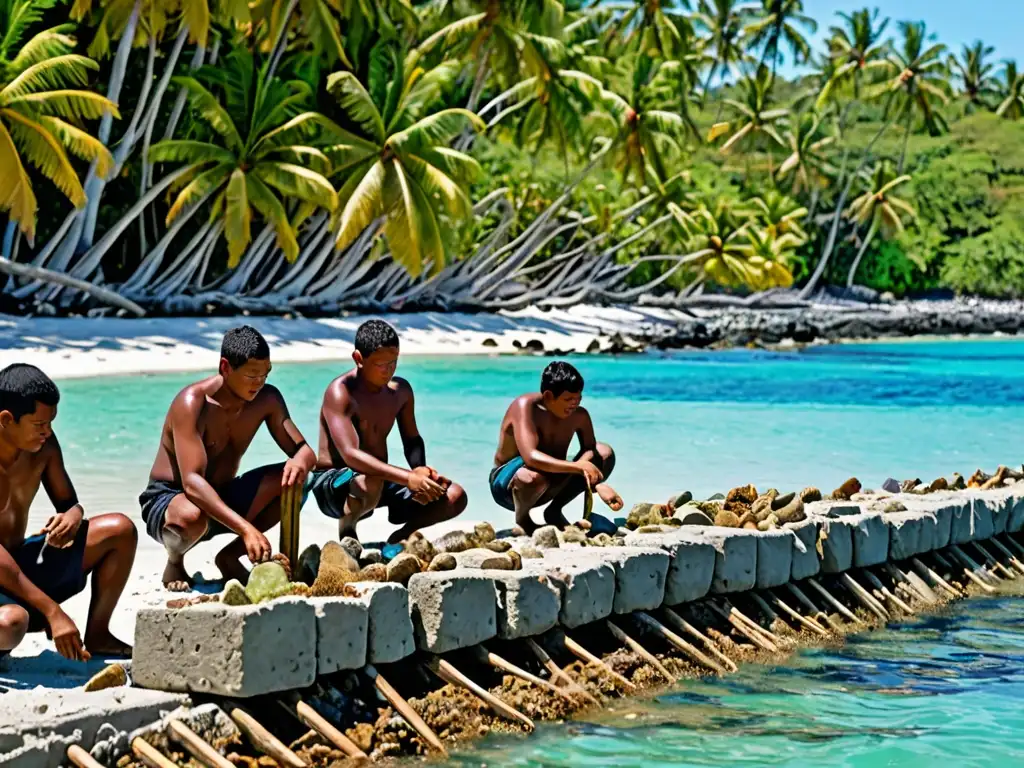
561,377
374,334
22,386
243,344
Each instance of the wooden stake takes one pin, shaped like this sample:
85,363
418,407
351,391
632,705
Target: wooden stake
840,608
767,634
1008,555
403,708
508,667
818,614
913,582
83,759
586,656
635,646
887,593
864,597
799,618
557,673
683,625
291,505
970,568
927,573
264,740
755,637
310,717
677,642
1014,545
992,562
450,674
764,607
197,746
150,755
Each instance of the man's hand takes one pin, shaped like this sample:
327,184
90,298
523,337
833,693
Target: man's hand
60,529
590,472
66,637
257,547
295,471
441,480
424,485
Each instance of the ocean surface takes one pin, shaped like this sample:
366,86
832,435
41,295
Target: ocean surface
944,690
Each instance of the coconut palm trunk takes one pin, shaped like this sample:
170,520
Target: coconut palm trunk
872,231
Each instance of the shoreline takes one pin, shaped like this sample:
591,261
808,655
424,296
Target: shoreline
87,347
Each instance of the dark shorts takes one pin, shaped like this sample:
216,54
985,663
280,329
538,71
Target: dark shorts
330,487
60,576
237,494
501,482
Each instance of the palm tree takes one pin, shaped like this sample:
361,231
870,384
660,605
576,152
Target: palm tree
753,119
722,20
1011,92
767,256
777,24
854,50
975,75
655,27
249,158
807,161
880,209
779,215
399,169
41,109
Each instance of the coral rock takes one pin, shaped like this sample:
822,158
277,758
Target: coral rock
957,482
846,490
909,485
234,594
744,494
266,581
751,526
374,572
418,544
453,541
546,537
573,535
938,484
352,546
484,532
516,560
977,479
443,561
530,552
727,519
997,479
335,555
895,506
793,512
809,494
403,567
497,545
113,676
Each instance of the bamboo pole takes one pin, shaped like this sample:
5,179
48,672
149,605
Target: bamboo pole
765,608
264,740
816,612
887,593
557,673
83,759
1014,545
635,646
508,667
678,643
403,708
684,626
992,562
197,746
310,717
755,637
587,657
927,573
1017,564
913,582
982,570
828,598
291,504
970,567
450,674
864,597
767,634
150,755
810,624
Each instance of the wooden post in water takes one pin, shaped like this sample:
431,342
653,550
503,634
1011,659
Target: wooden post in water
683,625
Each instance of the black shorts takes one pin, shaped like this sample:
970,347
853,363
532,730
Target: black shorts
60,575
330,487
237,494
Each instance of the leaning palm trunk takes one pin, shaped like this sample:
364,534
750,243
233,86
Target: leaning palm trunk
872,230
57,278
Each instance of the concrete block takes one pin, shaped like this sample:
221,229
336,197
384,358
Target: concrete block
833,509
1016,521
971,522
235,651
735,558
691,565
774,557
870,534
342,625
389,636
527,603
836,546
1000,503
639,573
586,589
908,536
806,562
452,609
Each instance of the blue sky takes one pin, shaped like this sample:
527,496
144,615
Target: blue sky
999,23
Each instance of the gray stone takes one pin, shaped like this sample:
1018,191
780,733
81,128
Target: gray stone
805,549
836,546
342,628
891,485
1016,521
691,514
353,547
484,559
237,651
389,629
452,609
735,559
870,539
691,564
832,509
528,603
546,537
586,588
371,556
639,573
774,557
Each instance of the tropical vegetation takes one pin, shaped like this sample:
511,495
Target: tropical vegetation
319,155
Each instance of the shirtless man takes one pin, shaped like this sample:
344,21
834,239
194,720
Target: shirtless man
530,467
353,476
193,491
40,572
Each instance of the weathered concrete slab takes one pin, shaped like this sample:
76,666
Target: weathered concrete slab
389,635
836,545
971,522
870,538
735,558
640,573
1000,503
228,650
1016,522
774,557
452,609
833,509
806,562
342,627
527,603
586,589
691,564
908,533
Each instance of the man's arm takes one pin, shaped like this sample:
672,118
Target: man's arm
412,443
61,528
585,434
527,441
301,458
191,457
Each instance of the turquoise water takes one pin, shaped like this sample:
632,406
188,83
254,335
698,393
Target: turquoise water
945,690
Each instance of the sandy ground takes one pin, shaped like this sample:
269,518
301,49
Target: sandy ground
68,348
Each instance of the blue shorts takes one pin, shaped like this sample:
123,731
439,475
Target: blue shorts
60,576
501,482
330,488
